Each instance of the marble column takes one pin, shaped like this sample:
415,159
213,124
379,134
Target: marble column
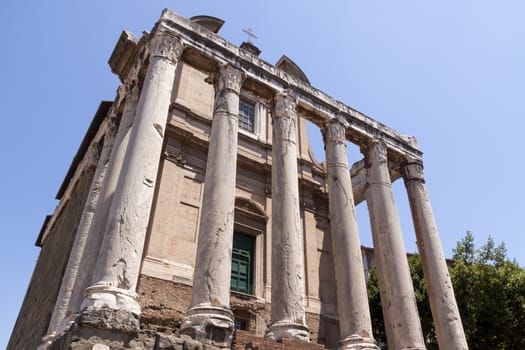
97,159
118,264
402,326
445,313
209,317
288,282
114,167
352,300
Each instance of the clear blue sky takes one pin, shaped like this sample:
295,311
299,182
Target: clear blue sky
449,72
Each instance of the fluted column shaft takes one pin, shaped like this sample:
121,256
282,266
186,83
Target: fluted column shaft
402,326
445,313
352,301
210,305
288,283
118,264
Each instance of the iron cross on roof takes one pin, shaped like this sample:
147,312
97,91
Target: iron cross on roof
250,34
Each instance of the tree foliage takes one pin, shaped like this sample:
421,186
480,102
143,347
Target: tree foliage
490,292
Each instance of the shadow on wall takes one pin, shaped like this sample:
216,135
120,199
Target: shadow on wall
328,332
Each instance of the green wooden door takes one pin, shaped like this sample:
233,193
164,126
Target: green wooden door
242,263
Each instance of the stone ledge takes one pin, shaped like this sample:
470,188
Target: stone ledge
243,340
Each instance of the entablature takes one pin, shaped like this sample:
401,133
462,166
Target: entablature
208,50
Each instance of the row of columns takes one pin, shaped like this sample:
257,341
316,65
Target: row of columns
124,203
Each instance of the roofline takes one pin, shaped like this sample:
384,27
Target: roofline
101,113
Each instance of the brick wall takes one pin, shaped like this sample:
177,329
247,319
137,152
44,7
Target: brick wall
42,292
243,340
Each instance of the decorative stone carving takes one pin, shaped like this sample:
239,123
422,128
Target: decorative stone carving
230,78
334,131
111,130
376,150
227,80
285,118
91,156
166,46
413,171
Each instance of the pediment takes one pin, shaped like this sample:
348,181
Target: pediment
287,65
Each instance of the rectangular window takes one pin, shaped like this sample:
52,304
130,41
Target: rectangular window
246,115
240,324
242,263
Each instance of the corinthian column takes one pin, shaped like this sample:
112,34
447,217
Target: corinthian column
445,313
402,326
100,219
117,269
288,291
209,317
352,301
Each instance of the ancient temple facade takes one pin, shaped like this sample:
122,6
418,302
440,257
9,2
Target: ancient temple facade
194,213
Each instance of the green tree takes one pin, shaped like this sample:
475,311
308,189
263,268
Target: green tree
490,292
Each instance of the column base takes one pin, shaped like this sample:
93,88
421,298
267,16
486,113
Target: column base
210,325
104,295
355,342
288,330
47,341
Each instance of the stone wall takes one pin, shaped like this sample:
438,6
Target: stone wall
40,297
243,340
164,304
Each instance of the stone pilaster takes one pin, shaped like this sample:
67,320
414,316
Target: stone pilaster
288,283
209,317
116,272
445,313
99,160
402,326
352,301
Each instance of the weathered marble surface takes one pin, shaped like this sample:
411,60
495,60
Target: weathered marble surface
210,305
445,313
118,263
74,266
288,293
352,301
398,300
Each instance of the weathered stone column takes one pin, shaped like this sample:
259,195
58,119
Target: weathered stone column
118,264
402,326
209,317
288,283
445,313
114,168
352,301
98,160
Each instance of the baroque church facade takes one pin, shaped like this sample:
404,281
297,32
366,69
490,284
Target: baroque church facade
194,215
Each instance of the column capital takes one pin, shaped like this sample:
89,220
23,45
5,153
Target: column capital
374,151
132,91
285,105
229,78
334,131
91,156
166,46
413,171
228,81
